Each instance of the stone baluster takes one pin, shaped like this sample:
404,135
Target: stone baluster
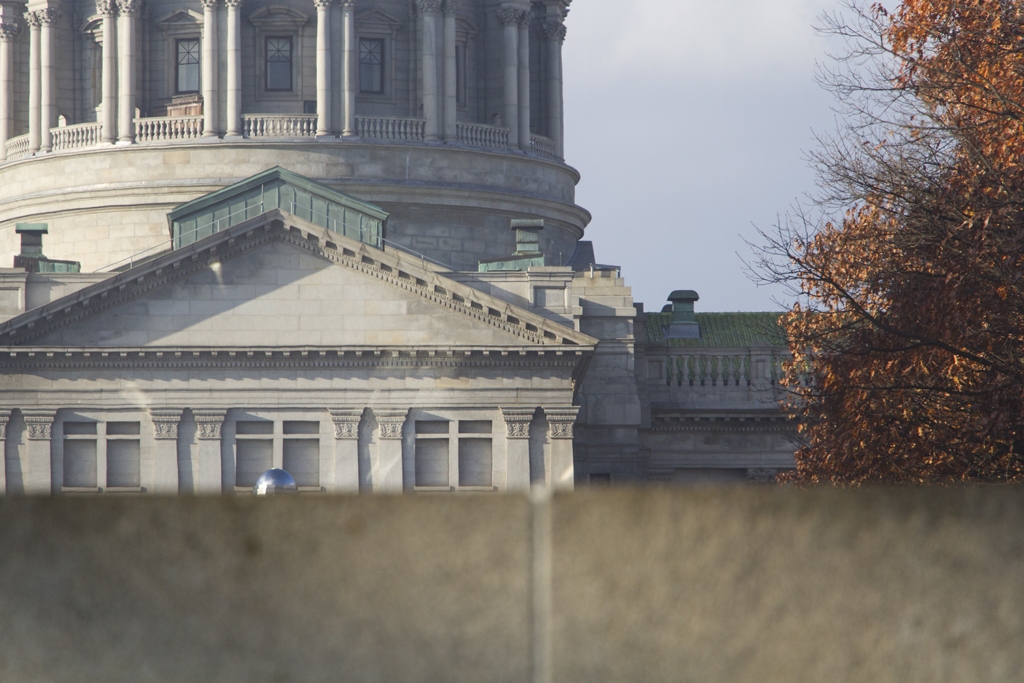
35,23
349,65
9,31
211,91
205,462
524,84
561,421
323,68
127,11
510,18
391,423
48,77
346,450
234,70
555,33
451,7
165,449
517,433
36,473
108,74
431,97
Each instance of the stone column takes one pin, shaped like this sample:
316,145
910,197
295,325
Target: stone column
346,450
323,68
391,423
206,463
127,9
451,7
349,74
337,67
37,476
555,33
5,417
8,33
517,433
524,84
211,92
510,18
48,78
35,22
431,97
108,87
165,450
561,420
234,53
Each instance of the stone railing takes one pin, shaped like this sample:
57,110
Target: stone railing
726,376
482,135
161,128
542,146
387,128
17,147
279,125
76,136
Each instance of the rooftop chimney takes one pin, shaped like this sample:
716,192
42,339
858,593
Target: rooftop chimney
31,257
683,325
527,235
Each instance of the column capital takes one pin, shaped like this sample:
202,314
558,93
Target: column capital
10,31
234,4
428,6
323,4
451,7
129,8
5,417
346,423
209,4
517,422
390,422
106,8
510,16
562,420
165,422
210,423
347,4
554,30
39,423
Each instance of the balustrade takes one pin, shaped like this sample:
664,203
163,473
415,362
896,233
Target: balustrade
17,147
160,128
390,128
542,146
482,135
76,136
733,373
279,125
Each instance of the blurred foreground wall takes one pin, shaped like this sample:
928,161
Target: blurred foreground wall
685,585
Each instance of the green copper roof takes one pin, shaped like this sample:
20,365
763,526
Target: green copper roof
720,330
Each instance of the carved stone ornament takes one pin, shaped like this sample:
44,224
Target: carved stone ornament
209,4
5,416
9,31
106,8
451,7
390,422
233,4
562,421
347,5
762,476
346,423
165,423
129,8
323,4
517,422
40,426
34,19
209,425
554,31
510,16
429,6
49,16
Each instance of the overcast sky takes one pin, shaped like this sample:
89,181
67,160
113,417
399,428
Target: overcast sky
689,121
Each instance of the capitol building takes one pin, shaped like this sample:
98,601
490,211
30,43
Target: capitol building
340,238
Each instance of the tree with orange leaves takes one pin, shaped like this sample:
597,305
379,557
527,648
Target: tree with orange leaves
908,332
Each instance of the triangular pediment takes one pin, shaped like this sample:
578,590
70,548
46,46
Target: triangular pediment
279,281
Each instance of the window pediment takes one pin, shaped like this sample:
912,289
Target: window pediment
278,18
181,20
376,20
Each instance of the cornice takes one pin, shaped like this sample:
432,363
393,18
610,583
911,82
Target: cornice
391,269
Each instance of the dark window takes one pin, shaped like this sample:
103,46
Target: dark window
371,65
279,63
187,76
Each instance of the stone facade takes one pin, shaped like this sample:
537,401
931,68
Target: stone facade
436,356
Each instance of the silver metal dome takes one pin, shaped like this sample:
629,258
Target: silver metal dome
275,481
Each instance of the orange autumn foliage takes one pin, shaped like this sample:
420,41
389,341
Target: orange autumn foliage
908,341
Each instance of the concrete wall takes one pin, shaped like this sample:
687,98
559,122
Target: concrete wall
700,585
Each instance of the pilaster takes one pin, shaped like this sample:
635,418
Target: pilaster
391,423
165,449
517,435
206,462
5,417
561,420
39,425
346,450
